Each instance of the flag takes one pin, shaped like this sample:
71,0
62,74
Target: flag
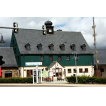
0,70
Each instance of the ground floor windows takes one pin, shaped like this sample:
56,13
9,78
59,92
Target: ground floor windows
86,70
69,70
8,74
74,70
29,73
80,70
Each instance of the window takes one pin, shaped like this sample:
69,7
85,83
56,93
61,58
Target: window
75,71
50,30
28,47
69,70
50,58
83,47
62,48
86,70
51,47
8,74
42,58
68,58
40,47
59,58
80,70
31,72
73,46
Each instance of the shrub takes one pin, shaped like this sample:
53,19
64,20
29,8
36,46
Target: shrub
16,80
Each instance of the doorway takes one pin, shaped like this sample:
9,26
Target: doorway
37,76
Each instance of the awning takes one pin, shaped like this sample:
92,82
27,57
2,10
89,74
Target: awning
8,72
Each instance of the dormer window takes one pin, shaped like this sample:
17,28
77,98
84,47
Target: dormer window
73,46
83,47
39,46
27,46
51,47
62,47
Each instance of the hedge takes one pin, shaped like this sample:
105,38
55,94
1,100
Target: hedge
86,79
16,80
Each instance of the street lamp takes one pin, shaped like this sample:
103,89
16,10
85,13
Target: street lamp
2,42
76,58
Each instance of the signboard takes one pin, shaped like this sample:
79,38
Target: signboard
57,65
51,73
33,63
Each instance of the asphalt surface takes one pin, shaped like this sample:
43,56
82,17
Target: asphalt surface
50,84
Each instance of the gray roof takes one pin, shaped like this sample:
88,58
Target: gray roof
101,56
34,37
8,57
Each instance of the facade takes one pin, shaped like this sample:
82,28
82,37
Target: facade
10,67
52,48
101,60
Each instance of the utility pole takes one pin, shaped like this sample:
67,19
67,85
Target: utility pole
95,44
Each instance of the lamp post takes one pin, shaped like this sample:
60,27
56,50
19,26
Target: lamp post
76,58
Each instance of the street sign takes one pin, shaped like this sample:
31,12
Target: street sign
33,63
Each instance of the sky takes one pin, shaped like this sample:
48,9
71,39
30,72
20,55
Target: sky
82,24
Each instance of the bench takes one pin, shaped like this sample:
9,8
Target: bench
59,78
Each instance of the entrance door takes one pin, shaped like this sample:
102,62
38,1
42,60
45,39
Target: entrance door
37,76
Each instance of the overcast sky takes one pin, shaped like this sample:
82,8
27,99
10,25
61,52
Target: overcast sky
82,24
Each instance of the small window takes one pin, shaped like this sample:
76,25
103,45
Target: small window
59,58
68,58
75,71
42,58
51,58
80,70
51,47
31,72
40,47
86,70
84,48
28,47
69,70
73,46
63,48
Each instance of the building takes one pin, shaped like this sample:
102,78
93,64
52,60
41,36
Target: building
101,60
55,50
10,67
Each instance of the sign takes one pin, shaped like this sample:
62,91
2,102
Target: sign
51,73
57,65
33,63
